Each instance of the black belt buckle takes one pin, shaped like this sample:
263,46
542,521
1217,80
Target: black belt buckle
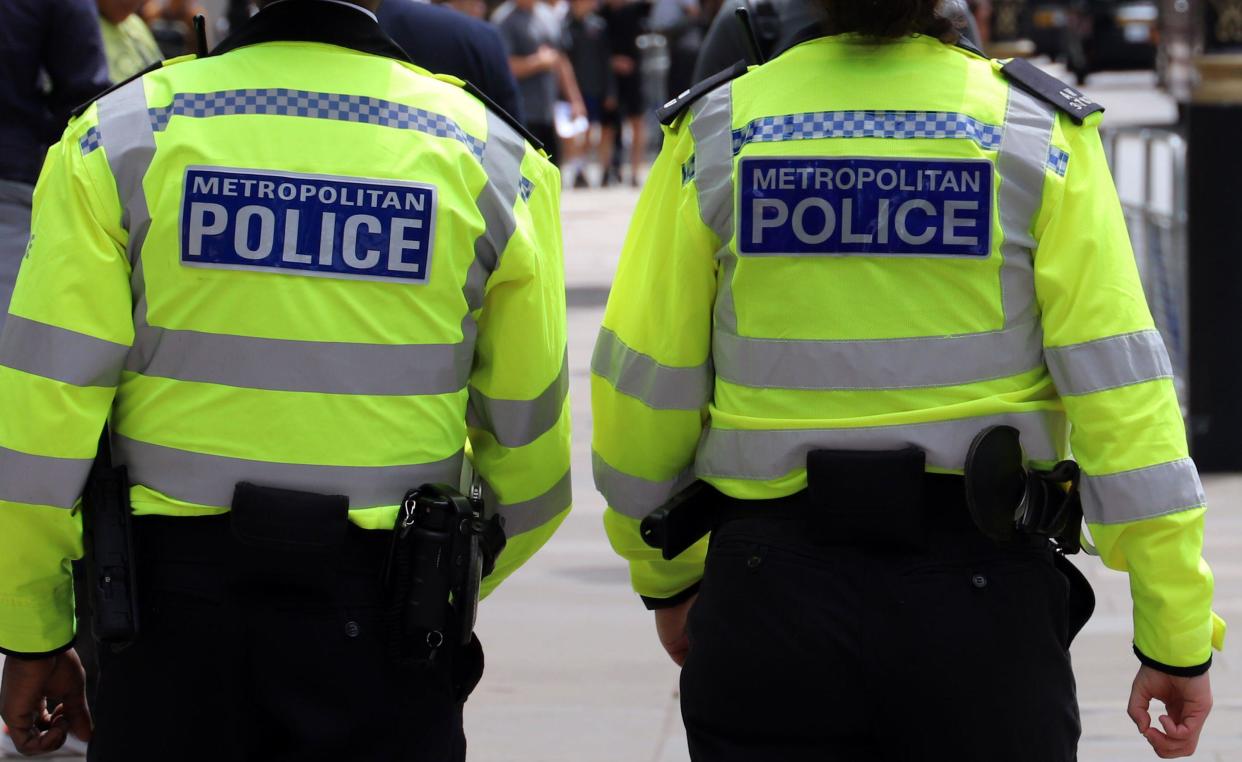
872,497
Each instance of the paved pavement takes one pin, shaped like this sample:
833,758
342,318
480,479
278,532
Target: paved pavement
575,673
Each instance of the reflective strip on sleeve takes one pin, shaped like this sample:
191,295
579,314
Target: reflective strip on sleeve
877,363
531,514
203,479
60,354
634,496
40,480
1142,493
516,423
763,455
660,387
1109,363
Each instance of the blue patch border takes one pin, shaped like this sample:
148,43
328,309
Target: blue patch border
737,207
431,227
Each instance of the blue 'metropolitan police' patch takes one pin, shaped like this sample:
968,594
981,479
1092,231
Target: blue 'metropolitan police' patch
861,206
335,227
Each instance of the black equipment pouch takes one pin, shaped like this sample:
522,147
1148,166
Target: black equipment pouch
681,522
1007,500
288,520
108,536
869,497
442,547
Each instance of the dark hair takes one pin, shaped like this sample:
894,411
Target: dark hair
888,19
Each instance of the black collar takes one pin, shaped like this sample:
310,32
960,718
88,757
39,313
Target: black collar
302,21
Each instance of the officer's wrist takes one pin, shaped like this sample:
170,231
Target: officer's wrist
1192,671
35,656
677,599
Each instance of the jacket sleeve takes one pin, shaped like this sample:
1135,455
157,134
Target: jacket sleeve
651,378
61,353
518,413
1141,493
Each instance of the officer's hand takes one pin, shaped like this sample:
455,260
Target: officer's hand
30,687
1188,701
671,627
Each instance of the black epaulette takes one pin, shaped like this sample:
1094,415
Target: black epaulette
668,113
1044,86
80,110
505,116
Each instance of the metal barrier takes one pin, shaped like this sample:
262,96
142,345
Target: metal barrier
1149,168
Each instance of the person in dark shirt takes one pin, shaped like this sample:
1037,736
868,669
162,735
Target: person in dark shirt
51,60
586,39
625,19
444,41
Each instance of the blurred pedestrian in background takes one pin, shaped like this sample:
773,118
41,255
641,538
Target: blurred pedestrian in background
533,38
626,20
128,41
51,59
444,41
476,9
682,25
172,25
586,38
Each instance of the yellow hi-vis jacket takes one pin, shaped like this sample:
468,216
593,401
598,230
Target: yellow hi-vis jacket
870,246
293,264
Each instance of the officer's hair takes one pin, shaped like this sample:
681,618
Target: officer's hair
888,19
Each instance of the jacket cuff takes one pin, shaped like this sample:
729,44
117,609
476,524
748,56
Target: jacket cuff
653,604
1193,671
28,656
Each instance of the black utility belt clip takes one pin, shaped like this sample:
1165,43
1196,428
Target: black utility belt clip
1007,500
442,548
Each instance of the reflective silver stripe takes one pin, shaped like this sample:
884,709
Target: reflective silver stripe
1143,493
1021,161
908,362
534,513
40,480
127,139
60,354
209,479
502,161
770,454
877,363
300,366
634,496
712,130
516,423
661,387
1109,363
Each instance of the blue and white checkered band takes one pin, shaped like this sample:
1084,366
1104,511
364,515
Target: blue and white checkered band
526,187
1058,160
90,141
868,124
360,109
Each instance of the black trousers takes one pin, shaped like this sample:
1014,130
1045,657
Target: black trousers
802,648
248,652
